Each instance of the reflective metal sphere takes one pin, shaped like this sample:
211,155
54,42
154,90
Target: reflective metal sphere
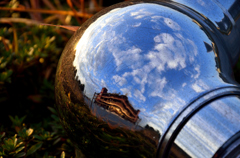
149,79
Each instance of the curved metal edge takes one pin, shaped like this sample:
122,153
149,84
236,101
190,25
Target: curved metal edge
178,122
229,148
225,11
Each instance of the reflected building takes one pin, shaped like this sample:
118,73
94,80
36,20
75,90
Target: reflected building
117,104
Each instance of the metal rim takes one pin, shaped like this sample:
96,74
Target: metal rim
178,122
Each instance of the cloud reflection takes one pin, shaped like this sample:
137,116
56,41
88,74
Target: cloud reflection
138,51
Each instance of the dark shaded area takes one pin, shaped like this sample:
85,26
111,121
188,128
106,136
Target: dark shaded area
107,3
29,88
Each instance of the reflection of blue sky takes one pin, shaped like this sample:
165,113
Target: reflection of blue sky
210,128
206,8
149,54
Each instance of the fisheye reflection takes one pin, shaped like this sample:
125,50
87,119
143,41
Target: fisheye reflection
137,50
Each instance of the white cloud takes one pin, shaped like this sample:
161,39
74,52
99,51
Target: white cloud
119,80
132,55
194,47
134,13
137,24
170,23
184,84
166,21
103,83
140,77
199,86
140,14
165,53
158,89
156,18
201,2
157,39
139,95
126,91
197,68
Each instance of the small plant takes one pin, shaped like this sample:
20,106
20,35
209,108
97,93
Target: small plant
12,147
35,141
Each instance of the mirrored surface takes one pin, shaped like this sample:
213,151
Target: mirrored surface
211,126
126,74
138,52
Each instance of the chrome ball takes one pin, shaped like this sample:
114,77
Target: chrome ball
128,73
